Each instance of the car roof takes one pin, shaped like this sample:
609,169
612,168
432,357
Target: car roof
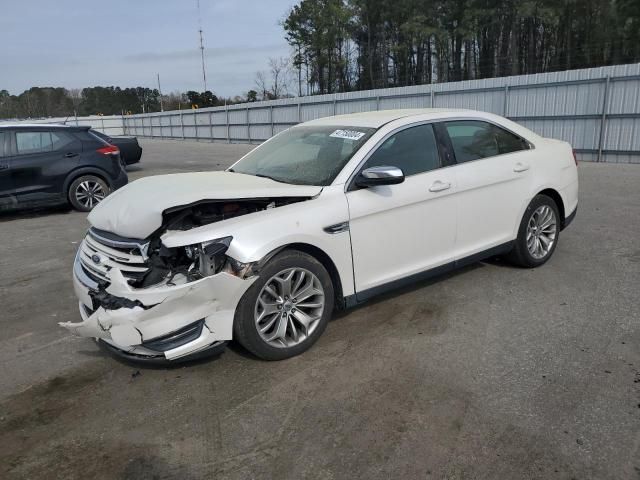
376,119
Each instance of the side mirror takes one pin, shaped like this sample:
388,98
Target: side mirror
374,176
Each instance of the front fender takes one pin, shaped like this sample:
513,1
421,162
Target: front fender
258,234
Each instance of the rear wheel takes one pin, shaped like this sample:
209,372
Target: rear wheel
87,191
538,233
286,310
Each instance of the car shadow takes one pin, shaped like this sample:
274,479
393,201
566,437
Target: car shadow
494,261
135,167
238,349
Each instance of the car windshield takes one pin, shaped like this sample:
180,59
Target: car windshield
305,155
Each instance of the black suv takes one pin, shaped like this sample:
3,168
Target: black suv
55,164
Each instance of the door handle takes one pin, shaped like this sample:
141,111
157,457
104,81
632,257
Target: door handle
70,155
439,186
520,167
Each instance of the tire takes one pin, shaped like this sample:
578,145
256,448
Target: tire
87,191
538,234
284,335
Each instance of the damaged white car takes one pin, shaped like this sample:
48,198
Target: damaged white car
324,215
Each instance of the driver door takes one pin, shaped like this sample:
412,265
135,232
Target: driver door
398,231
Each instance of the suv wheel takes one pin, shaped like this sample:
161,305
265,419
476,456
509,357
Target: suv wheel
538,233
87,191
286,310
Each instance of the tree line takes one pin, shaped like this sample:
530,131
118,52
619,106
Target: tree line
345,45
342,45
42,102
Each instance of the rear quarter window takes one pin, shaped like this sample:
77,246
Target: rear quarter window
473,140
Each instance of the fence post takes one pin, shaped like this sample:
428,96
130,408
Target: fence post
124,125
433,94
334,106
181,124
248,127
505,105
377,102
195,122
226,108
603,119
103,131
299,114
211,124
271,119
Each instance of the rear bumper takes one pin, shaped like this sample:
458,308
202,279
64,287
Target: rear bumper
120,181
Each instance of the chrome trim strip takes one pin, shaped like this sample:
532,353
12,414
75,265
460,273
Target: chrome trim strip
117,244
82,277
337,228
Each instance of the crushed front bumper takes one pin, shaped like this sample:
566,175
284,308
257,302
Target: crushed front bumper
159,312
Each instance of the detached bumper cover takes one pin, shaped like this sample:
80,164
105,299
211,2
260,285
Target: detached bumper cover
157,312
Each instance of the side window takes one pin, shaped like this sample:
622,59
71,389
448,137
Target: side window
508,142
33,142
473,140
413,150
59,140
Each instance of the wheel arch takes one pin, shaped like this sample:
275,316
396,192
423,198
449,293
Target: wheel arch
321,256
557,198
78,172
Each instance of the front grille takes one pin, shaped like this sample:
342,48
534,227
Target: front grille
101,252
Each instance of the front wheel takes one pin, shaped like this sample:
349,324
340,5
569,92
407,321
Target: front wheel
538,233
286,310
87,191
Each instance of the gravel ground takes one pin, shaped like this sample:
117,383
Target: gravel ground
491,372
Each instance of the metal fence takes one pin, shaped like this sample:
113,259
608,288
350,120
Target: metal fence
597,110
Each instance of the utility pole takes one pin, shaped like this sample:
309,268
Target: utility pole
160,91
204,73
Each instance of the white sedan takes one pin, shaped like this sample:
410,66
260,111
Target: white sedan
324,215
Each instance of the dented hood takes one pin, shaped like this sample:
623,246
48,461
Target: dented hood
135,211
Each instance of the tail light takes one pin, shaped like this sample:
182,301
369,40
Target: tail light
575,158
109,150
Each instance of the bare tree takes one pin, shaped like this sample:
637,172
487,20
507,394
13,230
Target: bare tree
262,85
279,70
277,82
76,98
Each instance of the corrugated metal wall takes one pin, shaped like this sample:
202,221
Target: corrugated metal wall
596,109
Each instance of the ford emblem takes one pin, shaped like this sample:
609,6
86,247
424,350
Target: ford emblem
95,258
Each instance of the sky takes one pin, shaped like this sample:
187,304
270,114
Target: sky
76,44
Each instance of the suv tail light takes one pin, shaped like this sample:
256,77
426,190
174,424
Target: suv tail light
109,150
575,158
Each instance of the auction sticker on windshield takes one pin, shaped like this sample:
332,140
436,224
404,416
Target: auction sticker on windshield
348,134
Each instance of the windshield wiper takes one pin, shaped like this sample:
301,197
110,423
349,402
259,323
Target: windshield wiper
262,175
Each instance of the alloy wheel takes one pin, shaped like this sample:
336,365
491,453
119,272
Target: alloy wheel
289,307
541,232
89,193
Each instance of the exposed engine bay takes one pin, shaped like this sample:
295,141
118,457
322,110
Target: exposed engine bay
180,265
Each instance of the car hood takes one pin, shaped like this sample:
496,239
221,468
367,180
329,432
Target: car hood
135,211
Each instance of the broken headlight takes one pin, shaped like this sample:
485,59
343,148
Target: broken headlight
208,257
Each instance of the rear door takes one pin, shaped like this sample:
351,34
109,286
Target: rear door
42,160
493,174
